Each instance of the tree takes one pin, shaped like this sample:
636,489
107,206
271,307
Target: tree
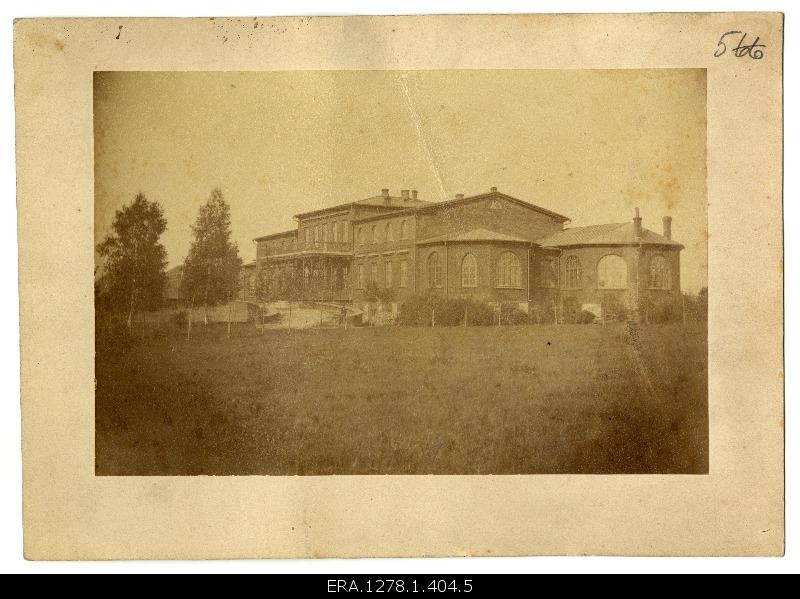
135,260
211,270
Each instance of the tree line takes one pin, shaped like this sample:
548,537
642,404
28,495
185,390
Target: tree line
134,259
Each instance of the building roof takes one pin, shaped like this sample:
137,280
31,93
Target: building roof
610,234
291,233
475,235
493,194
380,201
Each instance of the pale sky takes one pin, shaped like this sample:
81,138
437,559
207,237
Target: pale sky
591,145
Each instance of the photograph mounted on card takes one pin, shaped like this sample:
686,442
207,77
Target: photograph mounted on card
318,271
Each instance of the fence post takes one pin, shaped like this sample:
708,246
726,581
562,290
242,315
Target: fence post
465,316
433,317
230,308
683,307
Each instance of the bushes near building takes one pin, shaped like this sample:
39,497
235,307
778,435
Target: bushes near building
427,310
659,310
431,310
614,309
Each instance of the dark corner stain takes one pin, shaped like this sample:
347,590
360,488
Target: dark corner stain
119,32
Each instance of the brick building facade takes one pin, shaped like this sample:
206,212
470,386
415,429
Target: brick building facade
490,247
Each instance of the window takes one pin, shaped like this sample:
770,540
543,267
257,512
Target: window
403,229
324,234
547,273
374,273
659,273
387,271
389,236
573,274
361,236
308,235
345,231
508,272
434,271
612,272
403,273
362,276
373,234
316,234
334,236
469,271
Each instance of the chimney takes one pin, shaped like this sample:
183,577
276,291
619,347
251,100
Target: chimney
459,196
492,189
667,222
386,199
404,193
414,194
637,225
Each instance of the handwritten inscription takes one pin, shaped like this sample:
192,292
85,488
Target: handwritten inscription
742,49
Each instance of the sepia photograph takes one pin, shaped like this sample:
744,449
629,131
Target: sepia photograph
400,272
415,286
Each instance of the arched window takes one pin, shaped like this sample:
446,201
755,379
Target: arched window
389,236
659,273
508,271
374,273
612,272
361,236
316,234
403,273
403,229
469,271
434,271
373,234
572,270
335,228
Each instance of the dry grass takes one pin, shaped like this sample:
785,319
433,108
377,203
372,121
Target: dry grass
393,400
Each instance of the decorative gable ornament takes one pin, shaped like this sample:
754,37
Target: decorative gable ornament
495,205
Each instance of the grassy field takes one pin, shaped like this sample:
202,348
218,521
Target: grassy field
394,400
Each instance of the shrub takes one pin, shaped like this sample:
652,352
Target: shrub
419,309
570,309
586,317
541,313
613,308
511,314
659,310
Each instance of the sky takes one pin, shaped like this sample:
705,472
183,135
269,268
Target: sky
589,144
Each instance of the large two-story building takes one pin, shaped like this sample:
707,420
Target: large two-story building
490,247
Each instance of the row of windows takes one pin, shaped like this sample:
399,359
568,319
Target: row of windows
388,274
374,233
334,231
509,273
612,273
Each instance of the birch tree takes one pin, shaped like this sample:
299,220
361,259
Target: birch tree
211,270
134,259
